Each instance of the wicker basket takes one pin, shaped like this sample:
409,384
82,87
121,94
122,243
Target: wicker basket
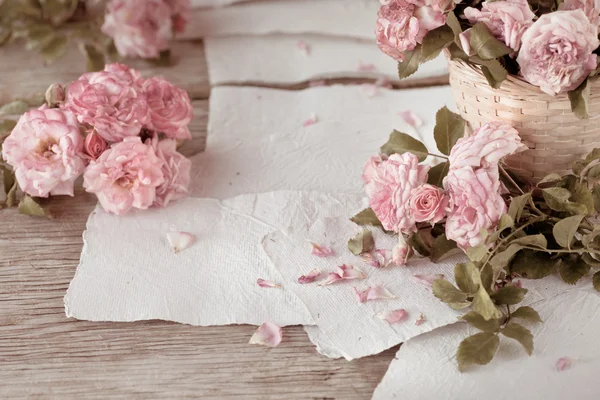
554,135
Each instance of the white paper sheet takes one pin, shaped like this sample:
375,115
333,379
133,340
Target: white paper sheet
128,272
241,59
351,18
425,368
257,141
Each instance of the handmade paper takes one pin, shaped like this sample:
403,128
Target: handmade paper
257,141
128,272
425,367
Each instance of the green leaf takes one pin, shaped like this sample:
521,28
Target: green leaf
39,35
550,178
572,269
10,186
493,70
485,45
16,107
526,313
29,206
487,277
467,277
95,59
596,281
55,48
517,205
421,241
538,240
596,197
580,100
509,295
478,253
6,127
558,200
366,217
581,195
459,306
438,173
447,292
589,260
457,53
477,349
565,229
400,143
411,62
476,320
454,24
443,248
579,165
520,334
435,41
449,127
533,264
361,243
483,304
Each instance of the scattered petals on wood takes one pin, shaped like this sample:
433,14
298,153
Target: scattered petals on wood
180,240
310,277
267,284
427,279
268,334
563,363
321,251
394,316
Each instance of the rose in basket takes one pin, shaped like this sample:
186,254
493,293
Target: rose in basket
508,228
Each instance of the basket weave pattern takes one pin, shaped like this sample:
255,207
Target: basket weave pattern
554,135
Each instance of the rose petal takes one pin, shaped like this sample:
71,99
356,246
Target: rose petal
303,46
346,271
420,320
384,83
371,259
411,118
394,316
267,284
361,295
332,277
321,251
427,279
180,240
379,292
384,257
310,121
310,277
268,334
362,67
563,363
369,89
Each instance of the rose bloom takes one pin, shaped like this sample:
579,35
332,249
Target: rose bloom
180,10
556,53
507,20
591,8
476,205
428,203
403,24
390,188
176,170
109,101
170,108
371,166
139,28
125,176
401,252
486,146
94,145
45,150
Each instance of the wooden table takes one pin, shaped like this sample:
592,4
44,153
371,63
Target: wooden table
43,354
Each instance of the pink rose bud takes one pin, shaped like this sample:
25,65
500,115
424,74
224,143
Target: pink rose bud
401,252
94,145
55,95
428,203
465,42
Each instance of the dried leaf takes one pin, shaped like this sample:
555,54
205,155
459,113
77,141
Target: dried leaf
361,243
580,100
180,240
310,277
467,277
509,295
483,304
435,41
485,45
411,62
393,317
565,229
438,173
29,206
268,334
55,48
596,281
400,143
520,334
366,217
572,269
533,264
558,200
476,320
428,280
526,313
267,284
517,205
443,248
95,59
447,292
477,349
550,178
449,127
16,107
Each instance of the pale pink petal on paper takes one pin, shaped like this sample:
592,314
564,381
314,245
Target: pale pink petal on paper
369,89
371,259
384,257
411,118
427,279
310,277
361,295
303,47
268,334
180,240
267,284
379,293
310,121
321,251
563,363
394,316
366,67
346,271
332,277
384,83
420,320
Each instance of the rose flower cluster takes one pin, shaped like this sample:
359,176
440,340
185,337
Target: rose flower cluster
117,129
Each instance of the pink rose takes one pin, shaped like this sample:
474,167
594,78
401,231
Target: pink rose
170,108
109,101
428,203
124,73
401,252
556,53
139,28
180,10
591,8
403,24
476,204
486,146
176,170
45,150
465,42
390,187
94,145
507,20
371,166
125,176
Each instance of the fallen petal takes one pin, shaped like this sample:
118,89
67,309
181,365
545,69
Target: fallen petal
350,272
310,277
411,118
332,277
268,334
180,240
369,89
394,316
563,363
310,121
321,251
267,284
384,82
384,257
379,293
420,320
371,259
428,279
362,67
361,295
303,46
